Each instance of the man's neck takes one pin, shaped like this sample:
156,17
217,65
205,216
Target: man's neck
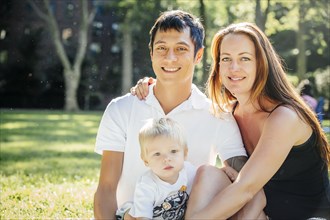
171,96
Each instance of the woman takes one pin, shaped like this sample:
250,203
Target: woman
288,151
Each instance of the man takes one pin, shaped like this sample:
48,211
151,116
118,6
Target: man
176,46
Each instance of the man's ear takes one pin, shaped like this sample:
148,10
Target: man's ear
199,55
150,54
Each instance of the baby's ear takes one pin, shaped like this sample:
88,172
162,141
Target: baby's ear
144,160
185,152
146,163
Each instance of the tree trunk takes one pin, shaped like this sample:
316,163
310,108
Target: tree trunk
205,66
261,17
72,72
71,80
127,59
301,45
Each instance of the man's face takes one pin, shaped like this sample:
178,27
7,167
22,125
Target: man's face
173,58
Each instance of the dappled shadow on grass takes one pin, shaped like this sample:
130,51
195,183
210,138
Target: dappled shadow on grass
43,128
49,169
30,154
57,165
40,143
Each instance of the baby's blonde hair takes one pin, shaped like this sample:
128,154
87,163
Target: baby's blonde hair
161,127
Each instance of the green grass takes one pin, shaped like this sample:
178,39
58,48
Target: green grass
48,166
326,123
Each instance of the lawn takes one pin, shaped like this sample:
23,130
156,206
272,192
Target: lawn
48,166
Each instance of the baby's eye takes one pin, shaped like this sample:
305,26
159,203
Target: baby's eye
157,154
174,151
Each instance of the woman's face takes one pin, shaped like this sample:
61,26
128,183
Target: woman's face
238,64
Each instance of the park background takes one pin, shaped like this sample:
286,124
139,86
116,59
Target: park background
62,61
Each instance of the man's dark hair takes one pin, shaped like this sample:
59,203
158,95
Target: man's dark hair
179,20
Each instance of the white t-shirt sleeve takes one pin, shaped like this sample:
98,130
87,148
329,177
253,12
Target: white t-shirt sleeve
113,126
191,173
144,199
229,141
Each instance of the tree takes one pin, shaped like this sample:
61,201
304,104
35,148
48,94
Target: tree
127,55
71,71
133,30
261,17
202,13
301,45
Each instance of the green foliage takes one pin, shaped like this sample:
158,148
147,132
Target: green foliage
293,79
48,166
32,82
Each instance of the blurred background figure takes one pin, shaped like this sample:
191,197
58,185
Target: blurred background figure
320,109
306,93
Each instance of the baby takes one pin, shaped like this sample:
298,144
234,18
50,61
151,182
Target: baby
163,191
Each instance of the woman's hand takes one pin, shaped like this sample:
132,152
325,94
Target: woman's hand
141,88
231,172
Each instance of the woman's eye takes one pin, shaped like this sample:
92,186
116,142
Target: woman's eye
245,59
225,59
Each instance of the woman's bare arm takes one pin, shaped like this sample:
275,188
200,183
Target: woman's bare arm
273,147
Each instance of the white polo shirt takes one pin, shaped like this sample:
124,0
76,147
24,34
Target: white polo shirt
206,134
151,192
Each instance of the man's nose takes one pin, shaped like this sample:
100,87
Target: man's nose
171,56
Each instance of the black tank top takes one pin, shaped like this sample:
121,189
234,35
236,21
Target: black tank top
300,188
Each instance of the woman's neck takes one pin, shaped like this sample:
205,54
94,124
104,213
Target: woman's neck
246,106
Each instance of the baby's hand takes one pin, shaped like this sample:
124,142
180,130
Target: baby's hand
231,172
128,216
141,88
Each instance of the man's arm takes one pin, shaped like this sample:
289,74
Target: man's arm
105,200
236,162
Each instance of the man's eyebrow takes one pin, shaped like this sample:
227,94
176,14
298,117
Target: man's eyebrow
159,42
180,43
184,43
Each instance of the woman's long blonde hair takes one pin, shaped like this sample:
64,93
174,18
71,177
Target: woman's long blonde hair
271,82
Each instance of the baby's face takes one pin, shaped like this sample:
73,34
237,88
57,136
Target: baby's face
165,158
